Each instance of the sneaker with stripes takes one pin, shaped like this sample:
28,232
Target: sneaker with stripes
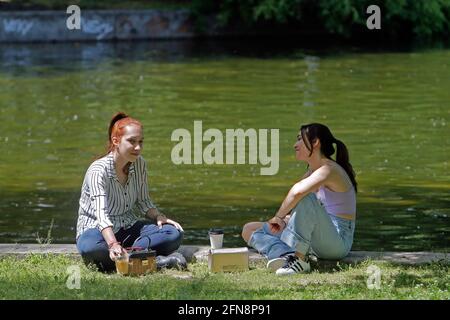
277,263
293,265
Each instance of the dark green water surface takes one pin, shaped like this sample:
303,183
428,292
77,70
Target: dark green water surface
390,108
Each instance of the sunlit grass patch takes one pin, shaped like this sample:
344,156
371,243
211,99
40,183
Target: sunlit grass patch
46,277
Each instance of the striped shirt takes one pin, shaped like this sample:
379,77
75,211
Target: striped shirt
105,202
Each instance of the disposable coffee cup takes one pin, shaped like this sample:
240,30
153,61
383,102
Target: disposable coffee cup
216,238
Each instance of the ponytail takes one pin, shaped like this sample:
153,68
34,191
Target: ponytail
118,116
342,158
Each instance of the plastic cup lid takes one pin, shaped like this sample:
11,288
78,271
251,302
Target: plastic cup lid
215,231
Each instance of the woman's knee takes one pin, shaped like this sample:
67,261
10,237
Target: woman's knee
307,202
169,245
249,228
172,240
172,233
177,238
93,250
91,242
305,210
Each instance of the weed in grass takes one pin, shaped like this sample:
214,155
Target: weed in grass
48,239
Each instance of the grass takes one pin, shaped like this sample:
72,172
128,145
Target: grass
45,277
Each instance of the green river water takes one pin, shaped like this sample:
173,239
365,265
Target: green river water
390,108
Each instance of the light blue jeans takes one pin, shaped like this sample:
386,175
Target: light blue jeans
311,230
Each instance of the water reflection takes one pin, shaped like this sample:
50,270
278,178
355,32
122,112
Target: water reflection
56,99
309,88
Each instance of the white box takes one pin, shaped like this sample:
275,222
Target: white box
228,259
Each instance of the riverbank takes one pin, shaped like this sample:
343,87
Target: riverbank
96,25
50,276
313,18
127,24
195,253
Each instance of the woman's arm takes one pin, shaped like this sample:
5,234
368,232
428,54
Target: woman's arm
144,202
307,174
109,236
115,249
302,188
309,184
97,186
161,218
153,213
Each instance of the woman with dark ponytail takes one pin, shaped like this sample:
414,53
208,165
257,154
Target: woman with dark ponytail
317,217
114,193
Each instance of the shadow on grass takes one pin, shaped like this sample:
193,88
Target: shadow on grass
321,266
439,272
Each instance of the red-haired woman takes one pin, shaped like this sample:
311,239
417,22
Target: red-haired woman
115,186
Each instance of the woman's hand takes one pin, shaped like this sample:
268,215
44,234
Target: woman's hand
276,224
116,251
162,219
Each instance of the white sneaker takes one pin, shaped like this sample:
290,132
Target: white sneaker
293,265
275,264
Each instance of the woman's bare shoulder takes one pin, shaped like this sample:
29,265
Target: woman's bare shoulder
339,180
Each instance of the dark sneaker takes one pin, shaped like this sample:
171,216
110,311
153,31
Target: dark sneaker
293,265
174,260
